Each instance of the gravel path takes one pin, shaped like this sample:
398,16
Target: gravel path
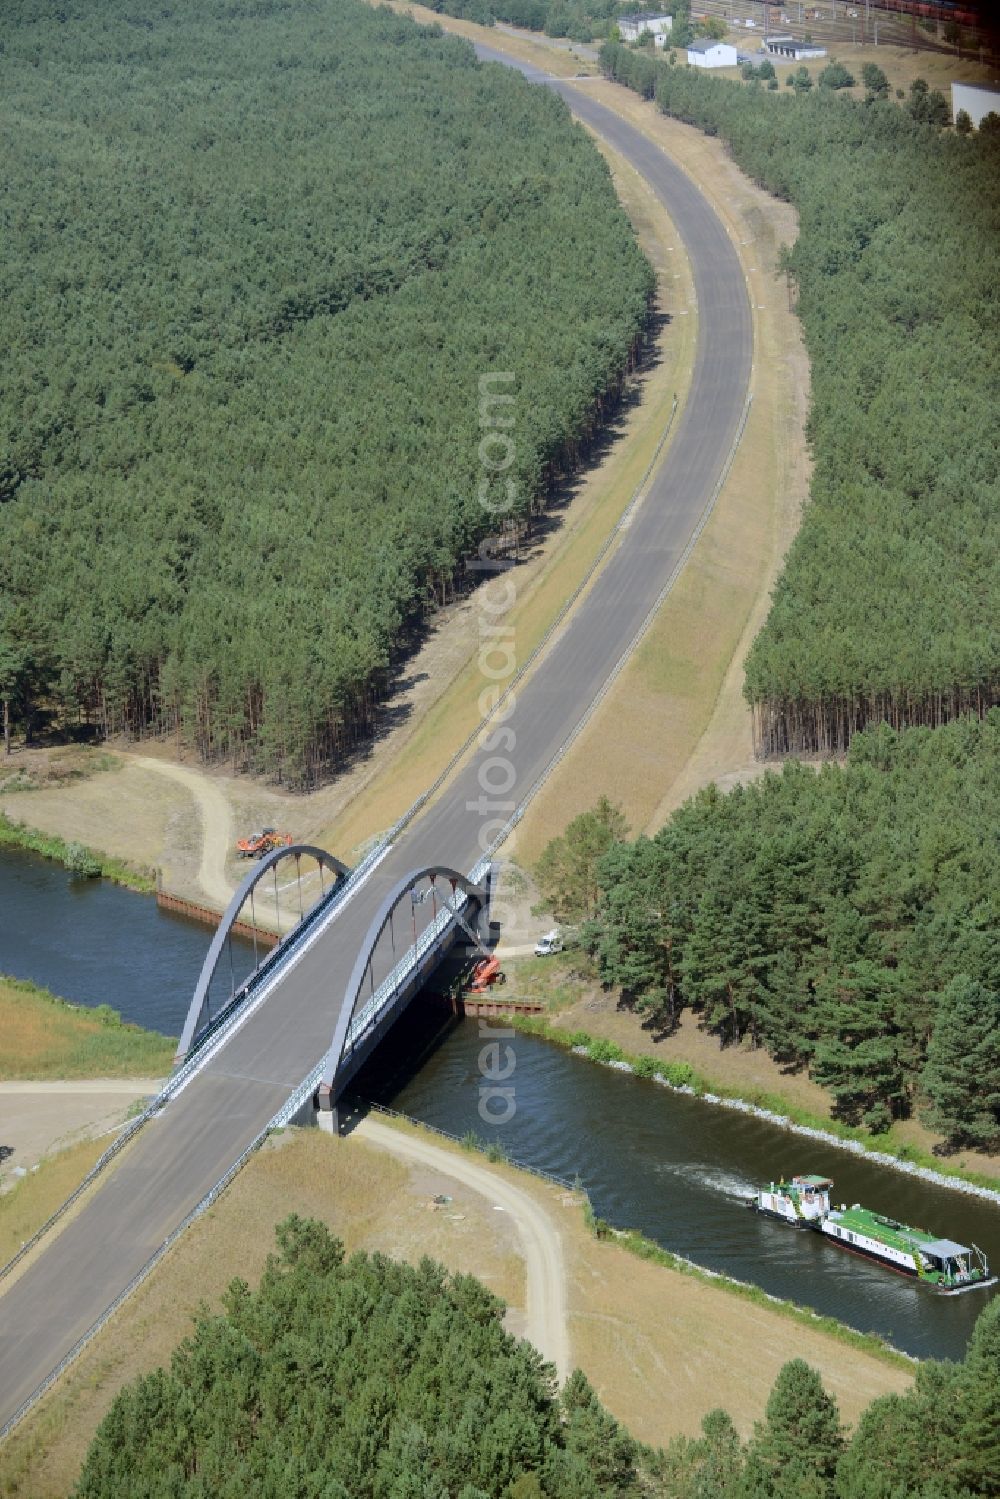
539,1238
216,826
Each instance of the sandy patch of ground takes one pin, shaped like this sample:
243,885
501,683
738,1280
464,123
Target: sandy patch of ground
129,813
661,1348
38,1119
216,818
367,1198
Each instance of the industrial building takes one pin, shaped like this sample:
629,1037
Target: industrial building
709,54
632,27
789,49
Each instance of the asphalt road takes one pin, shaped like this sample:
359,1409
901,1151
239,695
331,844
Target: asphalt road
178,1157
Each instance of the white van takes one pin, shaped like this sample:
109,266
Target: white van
547,945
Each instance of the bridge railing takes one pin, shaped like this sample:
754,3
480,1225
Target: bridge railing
367,1018
277,955
283,1117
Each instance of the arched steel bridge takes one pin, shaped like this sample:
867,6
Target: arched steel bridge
363,1018
279,1038
200,1021
403,954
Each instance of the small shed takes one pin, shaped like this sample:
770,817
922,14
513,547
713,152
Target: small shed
789,49
709,54
632,27
977,101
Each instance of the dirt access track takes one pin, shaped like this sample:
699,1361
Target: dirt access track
540,1243
43,1117
675,719
239,1087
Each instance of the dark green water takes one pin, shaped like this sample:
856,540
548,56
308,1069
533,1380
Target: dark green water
678,1168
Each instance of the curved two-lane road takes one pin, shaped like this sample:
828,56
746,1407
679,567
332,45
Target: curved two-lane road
179,1156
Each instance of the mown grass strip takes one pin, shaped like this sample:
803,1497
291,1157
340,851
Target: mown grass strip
36,1196
645,1249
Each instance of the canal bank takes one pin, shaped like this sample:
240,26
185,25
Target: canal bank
661,1349
670,1164
677,1168
94,942
683,1078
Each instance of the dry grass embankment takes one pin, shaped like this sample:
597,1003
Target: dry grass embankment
675,719
41,770
596,500
68,1077
46,1037
575,1001
661,1348
901,65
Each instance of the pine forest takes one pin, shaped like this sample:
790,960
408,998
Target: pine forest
363,1378
847,918
888,608
258,256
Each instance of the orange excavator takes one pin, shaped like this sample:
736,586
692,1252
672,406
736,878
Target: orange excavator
259,844
486,972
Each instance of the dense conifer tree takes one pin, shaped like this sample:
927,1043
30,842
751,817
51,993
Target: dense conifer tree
978,1447
794,1452
887,604
847,920
240,408
962,1076
360,1378
567,871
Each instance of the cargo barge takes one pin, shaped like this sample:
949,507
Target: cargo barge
940,1264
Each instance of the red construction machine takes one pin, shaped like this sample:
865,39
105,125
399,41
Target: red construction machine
259,844
486,973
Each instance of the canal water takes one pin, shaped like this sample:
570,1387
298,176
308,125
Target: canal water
672,1166
97,943
679,1169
